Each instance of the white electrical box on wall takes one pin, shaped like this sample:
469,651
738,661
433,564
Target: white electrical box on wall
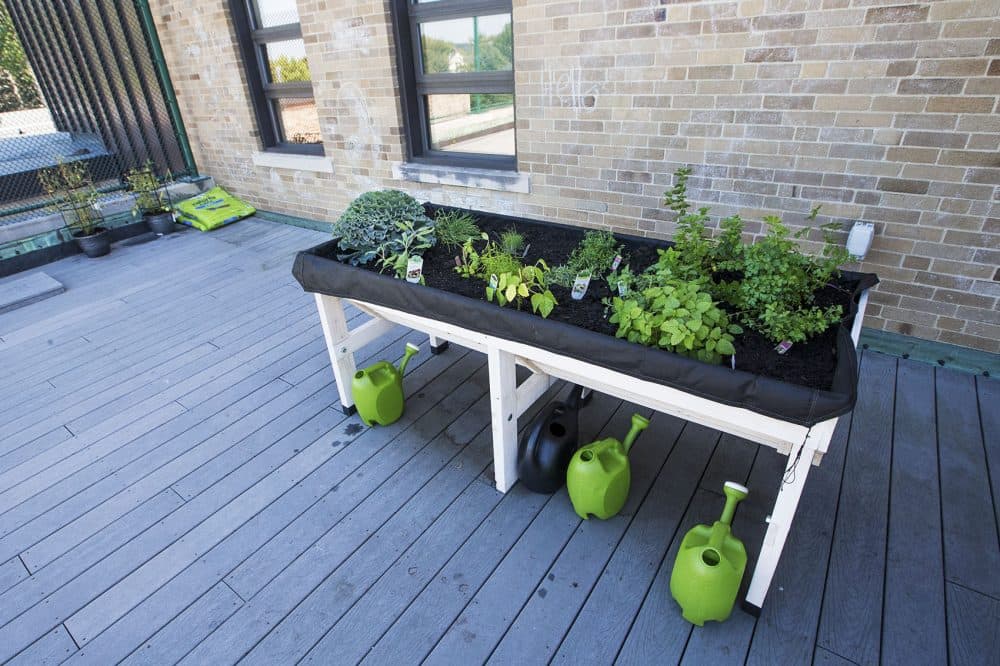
859,240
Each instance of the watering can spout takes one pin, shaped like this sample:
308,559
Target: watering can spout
411,349
639,423
735,493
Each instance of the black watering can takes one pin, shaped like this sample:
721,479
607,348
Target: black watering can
543,454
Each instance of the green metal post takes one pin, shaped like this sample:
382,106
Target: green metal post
476,99
156,51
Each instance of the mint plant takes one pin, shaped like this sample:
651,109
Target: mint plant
770,284
678,316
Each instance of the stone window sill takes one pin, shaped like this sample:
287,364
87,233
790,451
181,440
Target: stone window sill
483,179
315,163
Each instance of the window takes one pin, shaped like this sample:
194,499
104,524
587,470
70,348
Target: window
281,90
456,66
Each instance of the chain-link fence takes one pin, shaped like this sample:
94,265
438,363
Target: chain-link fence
81,81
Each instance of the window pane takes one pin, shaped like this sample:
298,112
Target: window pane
298,120
286,61
276,12
472,123
473,44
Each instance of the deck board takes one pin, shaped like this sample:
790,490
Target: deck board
850,621
177,482
913,618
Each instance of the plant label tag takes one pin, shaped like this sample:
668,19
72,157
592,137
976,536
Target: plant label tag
526,248
414,269
622,288
732,361
494,281
580,285
783,347
617,262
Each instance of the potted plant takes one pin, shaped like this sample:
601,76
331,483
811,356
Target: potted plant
152,199
70,184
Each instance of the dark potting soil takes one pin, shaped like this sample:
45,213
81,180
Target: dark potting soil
809,364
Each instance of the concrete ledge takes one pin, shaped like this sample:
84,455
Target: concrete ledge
316,163
119,203
940,354
483,179
27,290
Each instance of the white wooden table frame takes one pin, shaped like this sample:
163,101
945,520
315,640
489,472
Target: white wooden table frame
801,444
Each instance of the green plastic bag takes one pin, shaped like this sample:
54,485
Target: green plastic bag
212,209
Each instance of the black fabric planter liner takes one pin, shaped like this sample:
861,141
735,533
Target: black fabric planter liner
317,273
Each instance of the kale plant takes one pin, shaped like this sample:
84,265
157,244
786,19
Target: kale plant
370,225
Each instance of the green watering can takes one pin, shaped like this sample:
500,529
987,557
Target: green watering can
378,390
709,566
599,474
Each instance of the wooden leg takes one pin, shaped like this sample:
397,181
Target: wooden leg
503,400
438,346
799,463
331,316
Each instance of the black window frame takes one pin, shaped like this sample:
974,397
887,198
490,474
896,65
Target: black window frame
415,85
263,94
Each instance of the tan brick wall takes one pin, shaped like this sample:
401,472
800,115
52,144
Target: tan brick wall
878,110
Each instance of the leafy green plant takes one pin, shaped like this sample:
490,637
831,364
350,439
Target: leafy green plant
776,293
18,89
150,194
678,316
595,253
370,225
562,276
770,283
454,227
491,260
512,242
70,185
624,281
528,282
412,241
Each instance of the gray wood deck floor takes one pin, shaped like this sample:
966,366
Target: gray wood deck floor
177,484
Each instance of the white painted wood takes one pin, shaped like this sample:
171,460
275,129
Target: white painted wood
531,389
781,518
336,334
435,341
362,335
804,446
859,319
503,403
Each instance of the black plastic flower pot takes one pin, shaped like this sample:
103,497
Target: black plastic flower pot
161,223
96,244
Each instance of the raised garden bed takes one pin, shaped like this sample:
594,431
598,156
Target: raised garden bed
812,382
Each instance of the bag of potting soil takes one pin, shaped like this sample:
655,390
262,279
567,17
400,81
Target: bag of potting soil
212,209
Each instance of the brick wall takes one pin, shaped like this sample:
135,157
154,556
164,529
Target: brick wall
877,110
